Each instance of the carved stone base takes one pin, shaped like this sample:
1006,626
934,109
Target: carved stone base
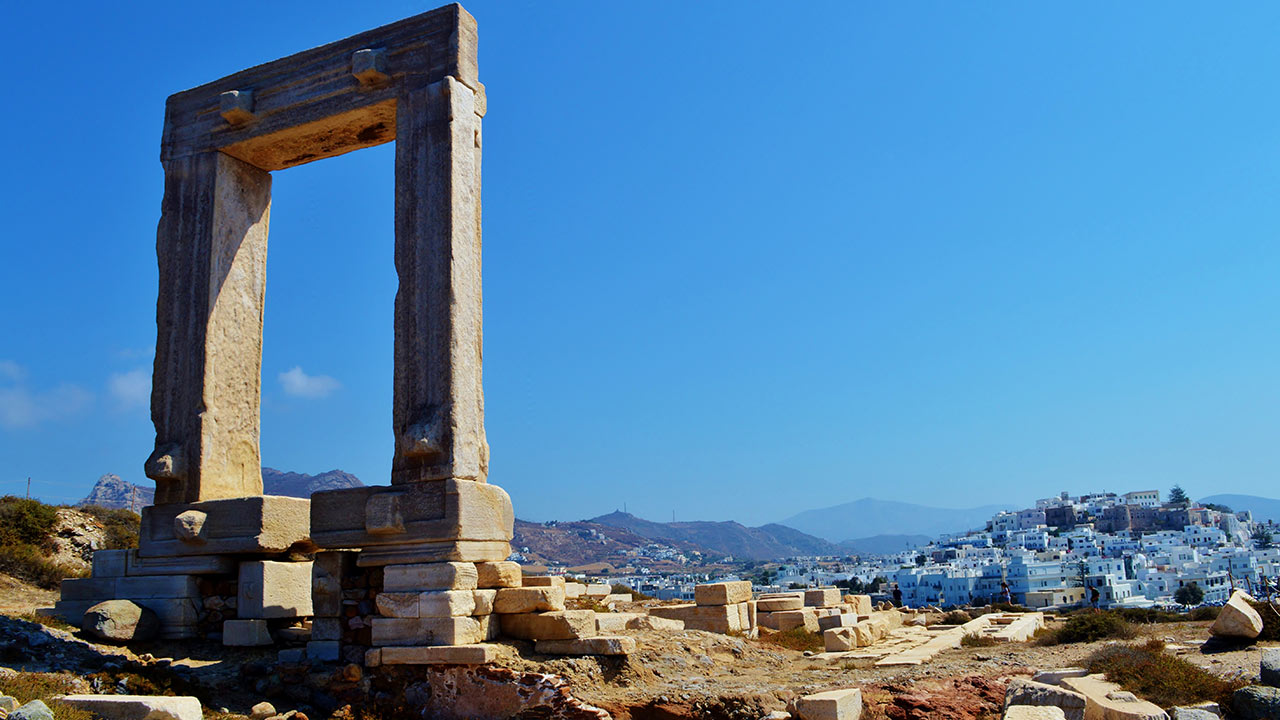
257,525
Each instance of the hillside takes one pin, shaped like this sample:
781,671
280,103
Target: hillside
768,542
1261,507
884,544
585,543
112,492
869,517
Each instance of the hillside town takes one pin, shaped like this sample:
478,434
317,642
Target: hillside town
1104,549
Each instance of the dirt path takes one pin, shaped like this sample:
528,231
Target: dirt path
17,597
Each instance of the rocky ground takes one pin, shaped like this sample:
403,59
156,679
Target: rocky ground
673,675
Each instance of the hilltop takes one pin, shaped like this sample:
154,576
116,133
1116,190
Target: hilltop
767,542
110,491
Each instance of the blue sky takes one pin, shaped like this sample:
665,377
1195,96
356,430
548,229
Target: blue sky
741,259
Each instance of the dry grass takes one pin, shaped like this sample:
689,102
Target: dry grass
794,639
977,640
1149,672
1088,627
42,686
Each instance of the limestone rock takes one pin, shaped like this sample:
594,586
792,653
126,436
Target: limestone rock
477,654
1029,692
822,597
1099,702
561,625
543,581
1033,712
498,574
34,710
8,704
777,604
1238,619
273,589
262,711
121,621
245,633
722,593
1256,702
424,631
431,576
484,601
510,601
447,603
1187,713
1055,677
600,645
830,705
839,639
138,707
1271,667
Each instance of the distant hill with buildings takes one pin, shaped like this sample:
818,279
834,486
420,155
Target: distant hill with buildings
110,491
1262,508
767,542
870,517
885,544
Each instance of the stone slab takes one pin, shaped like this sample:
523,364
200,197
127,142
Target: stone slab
597,590
258,525
722,619
137,707
273,589
835,621
822,597
389,632
556,581
615,622
430,576
831,705
1029,692
1056,676
574,589
599,645
1100,704
1033,712
246,633
777,604
559,625
498,574
511,601
138,566
110,563
477,654
722,593
321,651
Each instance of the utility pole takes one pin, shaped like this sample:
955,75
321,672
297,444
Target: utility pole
28,487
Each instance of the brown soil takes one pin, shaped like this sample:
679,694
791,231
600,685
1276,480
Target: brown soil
17,597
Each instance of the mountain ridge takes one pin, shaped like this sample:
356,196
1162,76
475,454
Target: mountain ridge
870,517
1263,508
111,492
728,537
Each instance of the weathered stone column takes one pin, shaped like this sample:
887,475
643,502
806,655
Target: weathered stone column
212,251
438,411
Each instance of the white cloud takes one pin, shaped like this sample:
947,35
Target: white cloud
130,389
10,370
21,407
296,382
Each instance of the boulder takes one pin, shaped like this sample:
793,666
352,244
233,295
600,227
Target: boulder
1029,692
121,621
830,705
34,710
1271,667
1188,713
1238,619
1256,702
1033,712
262,711
137,707
8,704
1107,701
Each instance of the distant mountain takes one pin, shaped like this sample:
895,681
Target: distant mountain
585,543
884,544
1262,508
112,492
768,542
869,517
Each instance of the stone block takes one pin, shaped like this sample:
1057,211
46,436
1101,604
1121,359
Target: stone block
574,589
498,574
442,520
830,705
246,633
399,604
158,586
837,621
710,618
861,604
137,707
752,614
839,639
256,525
1191,713
489,626
1055,677
1029,692
560,625
614,622
295,634
511,601
777,604
478,654
389,632
617,598
92,588
272,589
744,615
110,563
292,656
722,593
822,597
327,571
1032,712
430,576
322,651
1270,674
326,629
483,601
447,603
599,645
822,612
556,581
1104,700
791,619
597,590
32,710
373,657
1238,619
652,622
138,566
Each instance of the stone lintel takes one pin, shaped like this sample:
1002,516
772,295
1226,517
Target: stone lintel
258,525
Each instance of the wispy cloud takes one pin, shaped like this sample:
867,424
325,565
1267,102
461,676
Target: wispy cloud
22,407
136,353
12,371
298,383
130,389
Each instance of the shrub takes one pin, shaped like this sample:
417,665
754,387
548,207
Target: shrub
1270,621
635,594
1148,616
26,687
795,639
27,562
25,521
1206,612
1087,627
956,617
121,526
1148,671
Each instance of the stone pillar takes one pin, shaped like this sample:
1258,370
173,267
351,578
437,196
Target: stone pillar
212,250
438,407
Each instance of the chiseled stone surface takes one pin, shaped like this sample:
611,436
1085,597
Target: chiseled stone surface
561,625
839,639
429,576
498,574
1034,712
822,597
272,589
1238,619
477,654
830,705
599,645
722,593
483,600
245,633
1100,703
1030,692
447,603
777,604
426,631
258,525
138,707
837,621
510,601
556,581
710,618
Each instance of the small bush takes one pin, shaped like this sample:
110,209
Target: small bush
1207,612
795,639
956,617
977,640
1004,607
635,594
1270,621
25,522
1149,672
27,562
1148,616
121,526
1087,627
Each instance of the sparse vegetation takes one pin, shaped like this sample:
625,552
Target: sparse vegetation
1149,672
26,687
635,594
1207,612
794,639
956,617
1270,621
977,640
121,526
26,528
1088,627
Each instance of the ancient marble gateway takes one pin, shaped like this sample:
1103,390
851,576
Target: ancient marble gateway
413,82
